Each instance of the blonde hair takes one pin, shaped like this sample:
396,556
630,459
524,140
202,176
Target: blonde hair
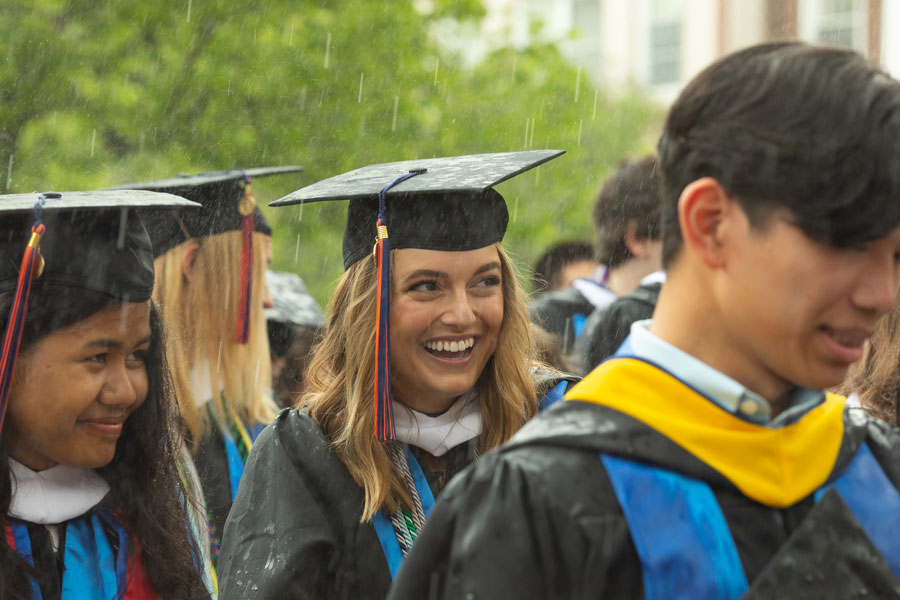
876,377
341,380
200,317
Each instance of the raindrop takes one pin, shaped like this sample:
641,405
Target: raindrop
577,84
531,137
190,2
596,96
219,359
361,78
437,63
9,172
394,121
93,139
291,37
297,247
256,376
300,213
580,123
527,128
327,49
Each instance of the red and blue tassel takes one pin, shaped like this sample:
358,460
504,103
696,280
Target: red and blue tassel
247,208
30,269
384,413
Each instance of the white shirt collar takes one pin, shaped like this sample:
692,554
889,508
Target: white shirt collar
437,435
54,495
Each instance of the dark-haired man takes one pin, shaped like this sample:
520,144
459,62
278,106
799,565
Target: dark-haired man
705,461
628,246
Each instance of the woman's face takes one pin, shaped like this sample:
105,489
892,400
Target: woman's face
75,387
446,314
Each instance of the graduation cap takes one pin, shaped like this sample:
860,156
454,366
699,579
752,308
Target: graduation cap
228,204
435,204
293,307
91,241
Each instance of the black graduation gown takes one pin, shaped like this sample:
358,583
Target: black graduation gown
294,530
606,328
538,518
556,312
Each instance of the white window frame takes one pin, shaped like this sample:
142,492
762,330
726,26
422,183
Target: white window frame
809,21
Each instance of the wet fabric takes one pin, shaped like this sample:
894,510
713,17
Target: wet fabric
540,518
294,530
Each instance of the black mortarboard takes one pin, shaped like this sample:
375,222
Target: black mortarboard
435,204
292,303
219,192
449,206
83,240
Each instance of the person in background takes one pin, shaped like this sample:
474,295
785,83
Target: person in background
606,328
705,460
210,287
95,503
295,323
561,264
426,364
626,222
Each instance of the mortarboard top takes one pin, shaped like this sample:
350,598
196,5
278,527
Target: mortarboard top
219,192
449,206
92,240
293,305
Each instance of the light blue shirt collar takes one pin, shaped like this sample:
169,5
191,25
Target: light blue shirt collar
717,387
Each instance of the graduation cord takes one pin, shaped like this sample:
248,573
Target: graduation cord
406,524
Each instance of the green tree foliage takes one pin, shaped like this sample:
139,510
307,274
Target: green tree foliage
96,94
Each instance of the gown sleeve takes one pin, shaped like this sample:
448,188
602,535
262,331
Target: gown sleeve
277,543
497,532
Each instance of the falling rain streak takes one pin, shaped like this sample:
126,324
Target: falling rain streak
190,2
327,49
577,84
359,100
580,125
9,172
297,248
219,359
291,37
596,97
437,63
394,120
93,139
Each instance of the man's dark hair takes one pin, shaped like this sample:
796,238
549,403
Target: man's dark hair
811,131
630,194
549,265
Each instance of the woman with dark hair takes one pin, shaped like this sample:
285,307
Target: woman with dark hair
427,363
92,490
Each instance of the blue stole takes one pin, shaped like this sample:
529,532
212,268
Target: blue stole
235,460
92,570
684,543
382,520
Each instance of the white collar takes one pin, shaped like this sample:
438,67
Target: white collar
54,495
437,435
594,292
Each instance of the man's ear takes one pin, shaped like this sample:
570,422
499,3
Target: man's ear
702,215
640,247
187,260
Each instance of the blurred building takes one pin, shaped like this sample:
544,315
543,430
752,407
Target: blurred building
659,45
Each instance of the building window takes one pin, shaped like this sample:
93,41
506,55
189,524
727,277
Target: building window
665,42
835,22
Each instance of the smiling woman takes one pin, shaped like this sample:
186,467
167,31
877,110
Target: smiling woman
427,363
91,491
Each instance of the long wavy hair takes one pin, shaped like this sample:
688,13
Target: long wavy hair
146,487
200,318
876,377
341,378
